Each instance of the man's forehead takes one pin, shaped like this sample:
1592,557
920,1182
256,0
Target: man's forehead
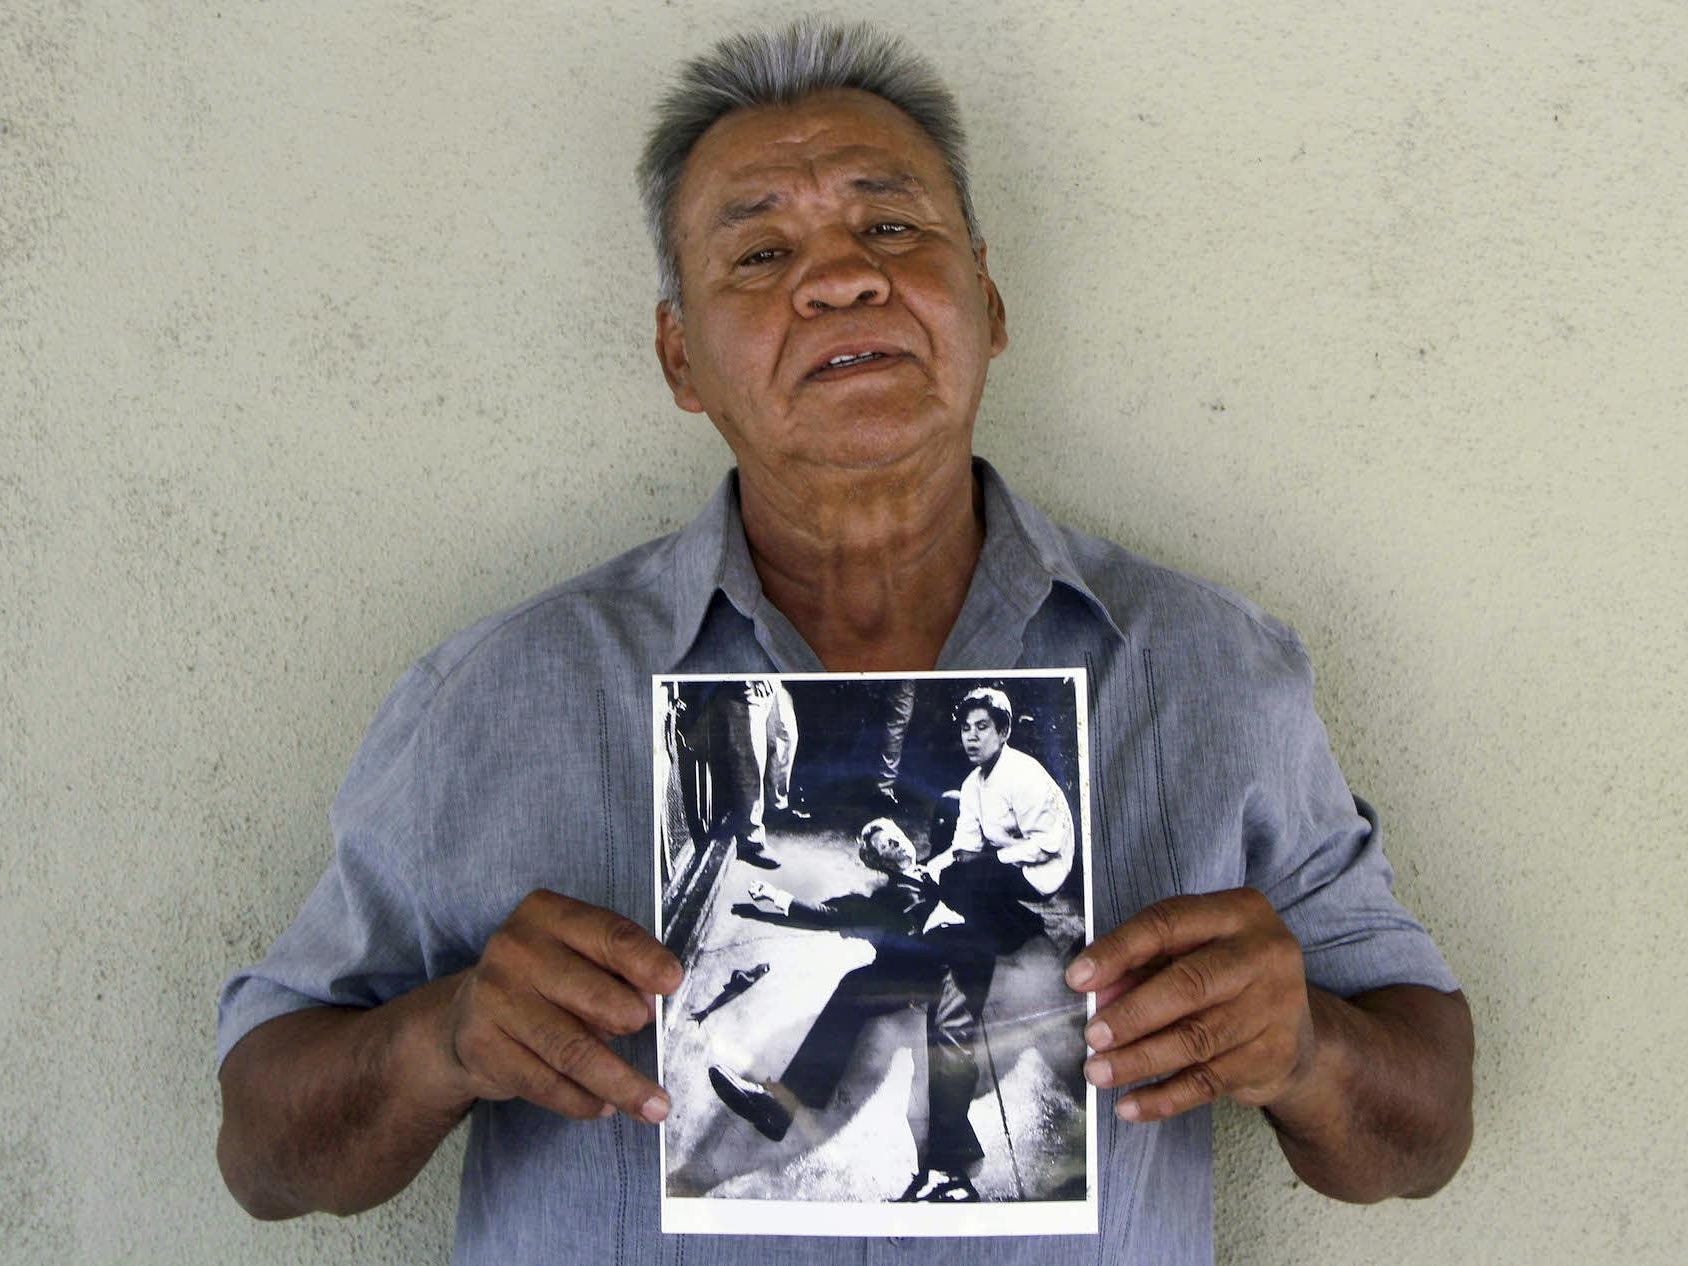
849,138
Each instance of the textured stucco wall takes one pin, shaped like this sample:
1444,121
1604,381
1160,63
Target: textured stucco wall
325,329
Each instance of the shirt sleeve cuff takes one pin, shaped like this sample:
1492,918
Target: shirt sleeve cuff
1379,958
247,1003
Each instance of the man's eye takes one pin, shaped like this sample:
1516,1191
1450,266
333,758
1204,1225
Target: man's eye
889,228
766,255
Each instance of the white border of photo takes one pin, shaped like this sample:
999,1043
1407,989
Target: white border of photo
706,1215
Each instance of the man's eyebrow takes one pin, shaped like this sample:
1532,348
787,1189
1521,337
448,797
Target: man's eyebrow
897,184
736,213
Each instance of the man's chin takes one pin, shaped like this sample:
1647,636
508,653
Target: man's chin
882,440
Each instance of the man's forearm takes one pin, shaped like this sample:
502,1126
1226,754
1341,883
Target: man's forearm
334,1109
1034,847
1385,1108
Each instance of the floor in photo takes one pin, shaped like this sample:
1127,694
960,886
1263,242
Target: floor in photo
862,1146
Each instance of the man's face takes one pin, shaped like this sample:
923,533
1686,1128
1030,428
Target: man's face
890,851
817,231
980,738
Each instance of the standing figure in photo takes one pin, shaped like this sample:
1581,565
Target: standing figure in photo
922,954
897,698
761,746
1013,838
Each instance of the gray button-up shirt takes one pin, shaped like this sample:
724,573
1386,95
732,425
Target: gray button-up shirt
517,756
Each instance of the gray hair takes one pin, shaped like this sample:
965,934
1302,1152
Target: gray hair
781,68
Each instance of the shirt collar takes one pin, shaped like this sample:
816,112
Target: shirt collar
1024,555
709,557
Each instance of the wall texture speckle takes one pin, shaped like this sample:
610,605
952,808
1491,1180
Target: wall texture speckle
325,330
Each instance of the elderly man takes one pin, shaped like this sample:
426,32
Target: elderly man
476,946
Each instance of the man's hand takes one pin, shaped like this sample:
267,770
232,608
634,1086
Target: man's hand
533,1017
951,856
1204,996
769,899
337,1108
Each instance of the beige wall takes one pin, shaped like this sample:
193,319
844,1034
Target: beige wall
325,329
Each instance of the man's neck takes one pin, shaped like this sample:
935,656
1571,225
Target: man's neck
871,568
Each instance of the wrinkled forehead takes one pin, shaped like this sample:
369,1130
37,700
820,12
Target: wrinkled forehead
840,139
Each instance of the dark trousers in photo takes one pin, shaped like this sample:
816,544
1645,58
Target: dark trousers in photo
949,971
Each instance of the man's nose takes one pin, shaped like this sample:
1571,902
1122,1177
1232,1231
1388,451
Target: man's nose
841,274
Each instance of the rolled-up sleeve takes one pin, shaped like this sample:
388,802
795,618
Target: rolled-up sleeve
1316,851
1043,820
364,934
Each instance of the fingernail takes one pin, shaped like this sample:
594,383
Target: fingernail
655,1109
608,1110
1129,1109
1080,973
1096,1072
1099,1035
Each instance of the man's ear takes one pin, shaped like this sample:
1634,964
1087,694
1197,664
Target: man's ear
993,304
671,352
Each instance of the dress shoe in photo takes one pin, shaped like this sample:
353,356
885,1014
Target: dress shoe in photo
756,1104
755,855
938,1186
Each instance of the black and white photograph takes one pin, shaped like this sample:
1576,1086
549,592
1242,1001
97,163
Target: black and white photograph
874,884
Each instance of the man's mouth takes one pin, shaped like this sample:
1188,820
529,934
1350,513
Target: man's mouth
845,363
853,358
